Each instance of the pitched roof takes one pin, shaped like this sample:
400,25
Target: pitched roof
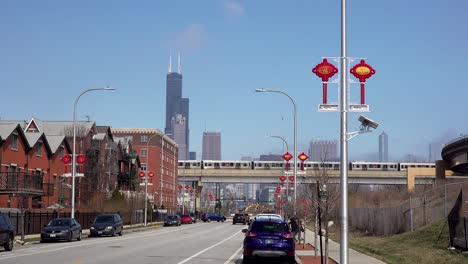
55,142
7,127
62,128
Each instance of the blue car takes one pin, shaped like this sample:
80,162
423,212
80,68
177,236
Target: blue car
207,217
268,237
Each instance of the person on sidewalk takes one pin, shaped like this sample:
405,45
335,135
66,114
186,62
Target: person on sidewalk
294,223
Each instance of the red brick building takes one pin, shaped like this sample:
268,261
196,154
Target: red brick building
158,154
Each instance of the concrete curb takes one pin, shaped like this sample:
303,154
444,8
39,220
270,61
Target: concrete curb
297,259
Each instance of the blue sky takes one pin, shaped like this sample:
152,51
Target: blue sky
52,50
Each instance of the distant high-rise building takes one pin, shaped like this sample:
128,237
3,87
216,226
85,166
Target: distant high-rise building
323,150
435,150
246,158
193,155
179,128
271,157
175,106
211,146
383,147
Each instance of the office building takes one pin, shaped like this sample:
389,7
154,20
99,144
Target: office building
323,150
383,147
179,128
211,146
193,155
177,109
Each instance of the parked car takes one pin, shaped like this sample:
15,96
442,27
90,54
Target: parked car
268,237
239,218
61,229
172,220
194,217
106,224
185,219
7,232
208,217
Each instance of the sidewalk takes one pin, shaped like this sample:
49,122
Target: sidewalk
334,252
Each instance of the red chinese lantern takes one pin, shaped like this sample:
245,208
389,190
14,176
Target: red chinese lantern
302,157
362,71
282,178
141,174
151,174
180,187
291,178
191,191
66,159
287,157
187,187
325,71
81,159
197,191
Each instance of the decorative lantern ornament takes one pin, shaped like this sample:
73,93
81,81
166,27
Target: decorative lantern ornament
302,157
291,178
151,174
197,191
282,178
141,174
191,191
81,159
325,71
287,157
187,187
180,187
66,160
362,71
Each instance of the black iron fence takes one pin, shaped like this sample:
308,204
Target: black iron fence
35,221
20,182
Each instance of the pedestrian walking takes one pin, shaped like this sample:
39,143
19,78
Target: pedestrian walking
294,223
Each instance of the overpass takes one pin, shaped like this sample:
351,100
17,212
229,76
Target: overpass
455,154
308,176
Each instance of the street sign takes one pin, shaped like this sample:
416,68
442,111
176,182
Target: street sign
143,184
289,173
76,175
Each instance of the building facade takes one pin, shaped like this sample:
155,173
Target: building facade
177,108
383,147
157,153
323,150
211,146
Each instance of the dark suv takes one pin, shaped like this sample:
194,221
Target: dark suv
7,232
239,218
106,224
268,238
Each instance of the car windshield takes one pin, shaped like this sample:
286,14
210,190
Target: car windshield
269,227
184,216
59,222
171,217
104,219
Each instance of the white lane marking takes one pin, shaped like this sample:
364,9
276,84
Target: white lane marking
233,255
101,241
208,248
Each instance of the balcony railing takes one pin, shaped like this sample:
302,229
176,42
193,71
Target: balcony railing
21,183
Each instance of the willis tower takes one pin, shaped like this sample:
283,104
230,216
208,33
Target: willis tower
177,110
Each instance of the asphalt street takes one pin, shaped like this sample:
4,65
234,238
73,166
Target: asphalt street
214,243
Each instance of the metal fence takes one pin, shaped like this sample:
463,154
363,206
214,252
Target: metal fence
412,214
33,222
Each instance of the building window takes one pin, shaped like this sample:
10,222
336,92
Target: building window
14,141
39,148
144,138
143,153
61,152
55,182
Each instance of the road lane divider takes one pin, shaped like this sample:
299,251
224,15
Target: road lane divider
208,248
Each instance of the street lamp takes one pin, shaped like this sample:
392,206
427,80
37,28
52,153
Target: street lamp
74,144
146,177
284,141
295,138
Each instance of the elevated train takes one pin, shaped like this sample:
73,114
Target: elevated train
308,165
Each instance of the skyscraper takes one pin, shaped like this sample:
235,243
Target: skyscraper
211,146
323,150
177,109
383,147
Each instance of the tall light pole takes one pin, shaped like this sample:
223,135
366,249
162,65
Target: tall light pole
74,145
344,140
146,177
295,138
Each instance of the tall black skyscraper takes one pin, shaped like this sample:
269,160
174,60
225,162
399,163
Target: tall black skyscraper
177,109
383,147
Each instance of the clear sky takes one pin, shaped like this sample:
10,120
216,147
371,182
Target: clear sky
52,50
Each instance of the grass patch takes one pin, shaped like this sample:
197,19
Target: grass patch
425,246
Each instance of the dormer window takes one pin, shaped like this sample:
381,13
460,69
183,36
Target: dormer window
39,149
14,142
61,152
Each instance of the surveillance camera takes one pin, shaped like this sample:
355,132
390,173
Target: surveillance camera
366,122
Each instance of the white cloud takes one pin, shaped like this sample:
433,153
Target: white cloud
233,8
189,39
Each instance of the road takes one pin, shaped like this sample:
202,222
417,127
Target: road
210,243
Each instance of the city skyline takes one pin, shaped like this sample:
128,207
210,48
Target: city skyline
53,51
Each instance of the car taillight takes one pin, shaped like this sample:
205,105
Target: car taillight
287,235
251,234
